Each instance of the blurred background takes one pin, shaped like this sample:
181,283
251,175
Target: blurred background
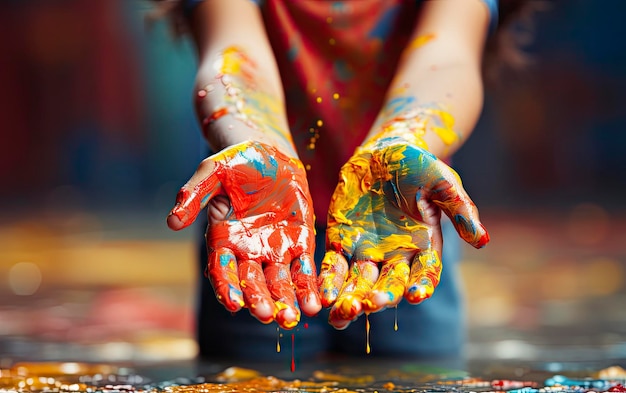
98,133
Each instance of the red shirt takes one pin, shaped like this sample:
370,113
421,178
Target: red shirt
336,60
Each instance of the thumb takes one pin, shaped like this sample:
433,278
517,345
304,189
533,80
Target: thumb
452,198
194,196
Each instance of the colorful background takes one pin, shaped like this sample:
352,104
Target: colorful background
98,133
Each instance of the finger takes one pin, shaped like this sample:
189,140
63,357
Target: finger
349,304
223,274
424,277
194,196
332,276
219,209
255,293
390,286
304,278
452,198
431,215
281,289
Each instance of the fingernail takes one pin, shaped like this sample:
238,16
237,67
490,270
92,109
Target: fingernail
180,213
233,305
328,294
484,239
287,317
377,300
369,306
263,311
418,293
348,307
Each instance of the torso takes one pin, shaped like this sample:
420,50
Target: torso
336,60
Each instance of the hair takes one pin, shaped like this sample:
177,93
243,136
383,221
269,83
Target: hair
504,49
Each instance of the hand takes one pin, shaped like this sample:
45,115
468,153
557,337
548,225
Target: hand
384,219
260,234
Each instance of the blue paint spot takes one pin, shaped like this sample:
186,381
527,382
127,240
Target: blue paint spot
292,52
466,224
268,169
225,259
234,292
342,71
305,267
398,104
338,7
273,162
384,25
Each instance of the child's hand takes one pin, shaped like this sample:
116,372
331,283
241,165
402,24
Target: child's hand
384,220
260,235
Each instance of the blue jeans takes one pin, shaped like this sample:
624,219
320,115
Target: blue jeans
432,329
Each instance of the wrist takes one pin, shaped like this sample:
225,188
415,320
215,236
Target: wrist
226,130
261,147
428,128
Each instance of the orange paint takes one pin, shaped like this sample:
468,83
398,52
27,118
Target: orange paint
270,224
367,333
395,318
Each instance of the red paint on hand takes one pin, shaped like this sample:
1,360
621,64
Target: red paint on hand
259,249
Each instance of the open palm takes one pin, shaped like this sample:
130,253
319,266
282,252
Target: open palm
384,236
260,235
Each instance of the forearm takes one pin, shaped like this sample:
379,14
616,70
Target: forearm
238,93
439,106
436,95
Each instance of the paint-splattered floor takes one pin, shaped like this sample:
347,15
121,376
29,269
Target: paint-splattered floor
547,294
372,377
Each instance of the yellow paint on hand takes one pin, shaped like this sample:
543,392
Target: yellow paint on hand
395,318
286,325
367,333
245,101
446,131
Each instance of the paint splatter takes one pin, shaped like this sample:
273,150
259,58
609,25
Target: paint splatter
377,215
368,349
269,225
82,377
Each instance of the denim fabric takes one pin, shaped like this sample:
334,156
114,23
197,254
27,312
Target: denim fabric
432,329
